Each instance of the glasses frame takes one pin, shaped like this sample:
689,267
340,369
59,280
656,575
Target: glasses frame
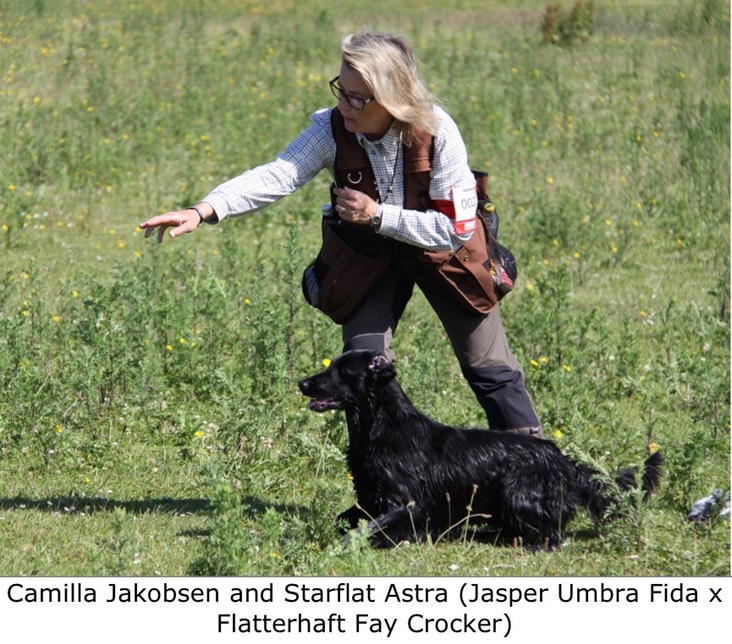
356,102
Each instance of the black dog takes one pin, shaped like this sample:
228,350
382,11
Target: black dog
414,476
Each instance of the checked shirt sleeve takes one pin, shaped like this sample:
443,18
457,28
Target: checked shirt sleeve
302,159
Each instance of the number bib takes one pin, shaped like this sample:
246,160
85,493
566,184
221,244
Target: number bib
465,201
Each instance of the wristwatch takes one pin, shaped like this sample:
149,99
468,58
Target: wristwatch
376,219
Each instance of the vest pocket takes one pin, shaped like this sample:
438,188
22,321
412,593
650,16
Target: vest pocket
339,278
478,274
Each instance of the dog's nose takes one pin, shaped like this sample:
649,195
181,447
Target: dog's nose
304,385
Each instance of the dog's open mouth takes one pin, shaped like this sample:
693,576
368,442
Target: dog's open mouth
325,404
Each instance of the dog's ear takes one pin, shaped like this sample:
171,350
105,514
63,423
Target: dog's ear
382,368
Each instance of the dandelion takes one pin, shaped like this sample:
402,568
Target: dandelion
576,255
12,187
534,363
183,341
608,222
543,359
198,434
247,301
567,368
550,181
558,433
653,447
56,318
529,287
614,248
349,476
326,362
59,429
75,293
169,347
6,228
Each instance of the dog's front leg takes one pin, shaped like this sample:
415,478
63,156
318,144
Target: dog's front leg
393,527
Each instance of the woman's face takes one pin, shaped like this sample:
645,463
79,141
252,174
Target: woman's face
373,120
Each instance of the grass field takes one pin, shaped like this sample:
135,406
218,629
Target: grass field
150,422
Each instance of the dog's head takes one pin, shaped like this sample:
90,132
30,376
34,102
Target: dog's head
348,379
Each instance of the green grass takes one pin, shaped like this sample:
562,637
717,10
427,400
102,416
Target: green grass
150,422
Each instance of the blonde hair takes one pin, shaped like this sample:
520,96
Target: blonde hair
388,66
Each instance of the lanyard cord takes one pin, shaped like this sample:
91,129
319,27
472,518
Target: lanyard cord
390,189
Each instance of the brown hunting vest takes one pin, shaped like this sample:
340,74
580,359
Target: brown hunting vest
352,256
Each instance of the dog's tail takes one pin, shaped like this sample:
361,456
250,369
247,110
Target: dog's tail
597,494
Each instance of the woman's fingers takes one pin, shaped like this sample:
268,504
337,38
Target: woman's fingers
182,221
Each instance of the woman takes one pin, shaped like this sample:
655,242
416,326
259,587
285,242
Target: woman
383,102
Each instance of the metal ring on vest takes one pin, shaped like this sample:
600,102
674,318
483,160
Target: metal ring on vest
357,181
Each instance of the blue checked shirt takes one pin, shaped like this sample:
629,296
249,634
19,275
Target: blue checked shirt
314,150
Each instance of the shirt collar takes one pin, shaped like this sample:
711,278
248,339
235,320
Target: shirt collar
390,140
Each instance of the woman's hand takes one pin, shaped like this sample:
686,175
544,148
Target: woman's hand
182,221
355,206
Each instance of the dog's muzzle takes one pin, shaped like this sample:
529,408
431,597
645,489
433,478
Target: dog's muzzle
318,402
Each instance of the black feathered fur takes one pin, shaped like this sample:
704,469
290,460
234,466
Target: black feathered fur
414,476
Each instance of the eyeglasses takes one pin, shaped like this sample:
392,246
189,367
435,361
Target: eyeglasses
354,101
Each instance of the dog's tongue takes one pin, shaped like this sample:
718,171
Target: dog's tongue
319,404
